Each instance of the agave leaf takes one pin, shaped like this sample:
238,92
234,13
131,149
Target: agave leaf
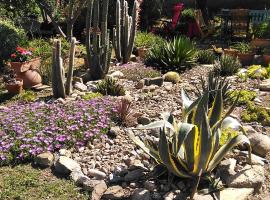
226,148
166,157
184,130
151,152
217,109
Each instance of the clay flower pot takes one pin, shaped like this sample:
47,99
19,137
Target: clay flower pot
266,58
231,52
259,42
30,78
20,67
245,58
15,88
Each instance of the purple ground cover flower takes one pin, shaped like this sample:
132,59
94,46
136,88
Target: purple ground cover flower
30,129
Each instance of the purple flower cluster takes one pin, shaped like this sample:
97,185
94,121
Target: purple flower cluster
30,129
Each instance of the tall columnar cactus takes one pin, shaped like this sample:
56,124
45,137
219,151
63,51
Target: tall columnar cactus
62,87
97,33
124,33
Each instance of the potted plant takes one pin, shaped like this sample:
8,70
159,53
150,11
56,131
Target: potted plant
266,55
230,52
22,60
244,52
13,84
25,67
261,35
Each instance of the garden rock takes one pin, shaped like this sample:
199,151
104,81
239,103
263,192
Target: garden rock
226,167
134,175
116,192
80,86
150,185
65,165
265,85
140,84
143,120
154,81
260,144
45,159
65,152
78,177
248,177
141,194
117,74
98,191
97,174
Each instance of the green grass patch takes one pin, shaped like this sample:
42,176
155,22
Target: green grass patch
23,182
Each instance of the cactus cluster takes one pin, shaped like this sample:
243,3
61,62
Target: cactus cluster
62,87
98,46
124,33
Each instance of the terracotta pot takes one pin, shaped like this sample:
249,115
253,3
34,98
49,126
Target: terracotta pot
30,78
258,42
266,59
245,58
231,52
15,88
19,67
142,52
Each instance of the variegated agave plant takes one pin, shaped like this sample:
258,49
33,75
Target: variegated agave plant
191,148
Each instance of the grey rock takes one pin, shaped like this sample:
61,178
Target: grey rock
98,191
97,174
265,85
44,159
150,185
117,74
226,168
80,86
140,84
143,120
65,165
260,144
134,175
141,194
65,152
154,81
116,192
78,177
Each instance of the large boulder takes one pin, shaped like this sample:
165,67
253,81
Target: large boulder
260,144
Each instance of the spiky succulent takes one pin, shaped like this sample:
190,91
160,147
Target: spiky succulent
227,65
191,148
214,82
109,86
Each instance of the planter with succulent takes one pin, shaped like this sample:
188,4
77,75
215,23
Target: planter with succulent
13,84
244,52
25,67
266,55
262,35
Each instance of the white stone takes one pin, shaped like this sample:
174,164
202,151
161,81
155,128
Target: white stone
45,159
97,174
65,165
80,86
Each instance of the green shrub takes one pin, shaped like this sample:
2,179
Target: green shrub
255,113
206,57
262,30
245,96
177,54
242,47
227,135
109,86
257,72
91,95
227,65
148,40
10,37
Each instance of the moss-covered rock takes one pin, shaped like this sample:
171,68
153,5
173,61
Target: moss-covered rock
173,77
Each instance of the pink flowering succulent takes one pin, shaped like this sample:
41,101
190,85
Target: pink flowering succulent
21,55
30,129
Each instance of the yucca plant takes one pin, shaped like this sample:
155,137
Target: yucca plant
177,54
214,82
191,148
227,65
206,57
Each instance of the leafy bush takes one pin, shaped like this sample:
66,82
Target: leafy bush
206,57
136,72
255,113
177,54
227,65
10,37
148,40
29,129
109,86
242,47
91,95
245,96
257,72
191,149
262,30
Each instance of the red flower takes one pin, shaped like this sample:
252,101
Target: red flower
13,55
